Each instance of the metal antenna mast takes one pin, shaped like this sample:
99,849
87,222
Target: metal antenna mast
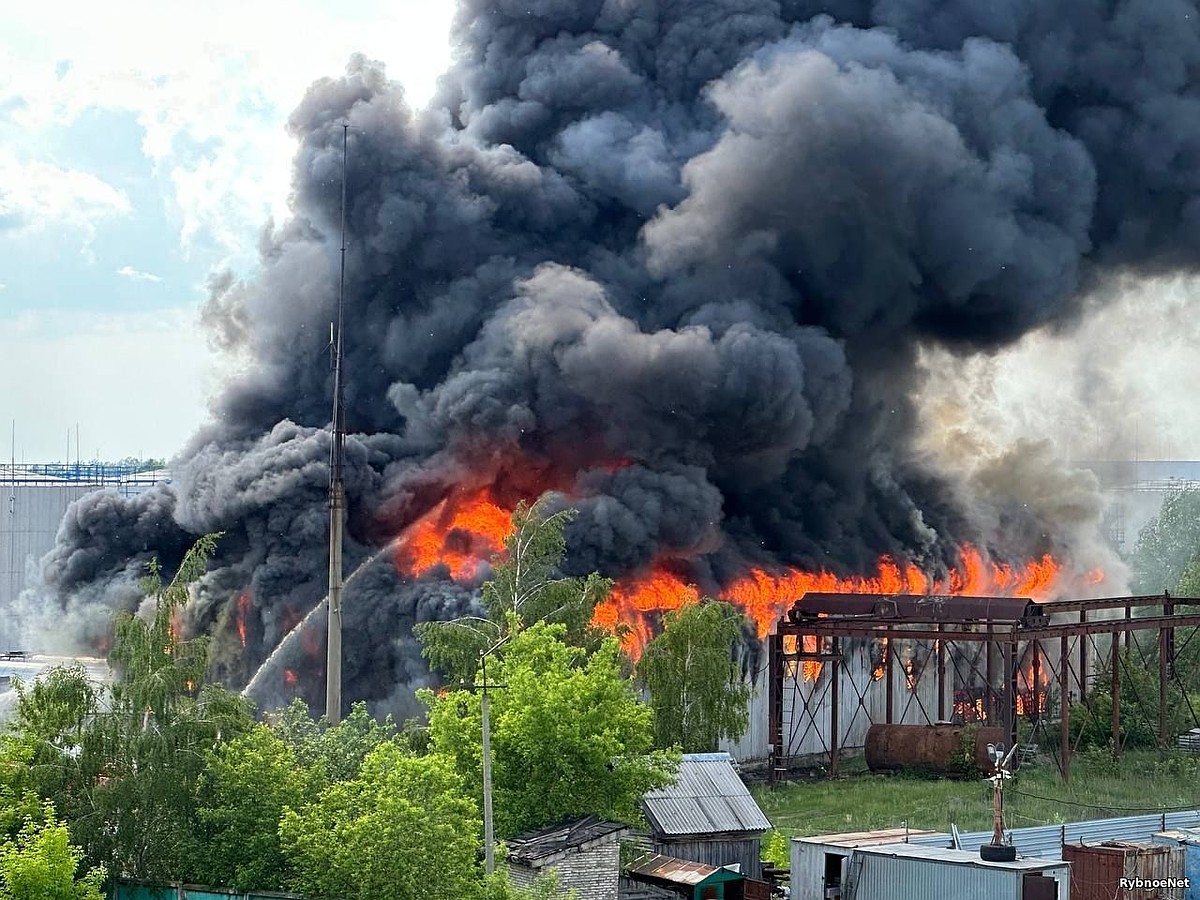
337,488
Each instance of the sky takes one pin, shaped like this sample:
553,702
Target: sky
142,147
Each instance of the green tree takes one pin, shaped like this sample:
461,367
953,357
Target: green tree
569,735
403,828
498,887
242,793
1168,545
526,587
121,762
333,752
695,684
41,864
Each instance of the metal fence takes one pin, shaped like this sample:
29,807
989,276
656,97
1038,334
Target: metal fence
1046,841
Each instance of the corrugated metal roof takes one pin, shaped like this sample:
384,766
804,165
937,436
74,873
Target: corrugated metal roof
676,871
959,857
871,838
707,798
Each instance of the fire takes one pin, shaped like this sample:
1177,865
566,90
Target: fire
968,710
243,607
469,527
460,532
881,667
632,603
289,678
1033,684
765,596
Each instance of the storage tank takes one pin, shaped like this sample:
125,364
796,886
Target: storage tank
941,749
910,872
1097,870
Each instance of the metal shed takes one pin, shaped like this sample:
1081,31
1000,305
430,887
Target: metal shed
689,880
707,816
1189,841
906,871
1097,870
817,862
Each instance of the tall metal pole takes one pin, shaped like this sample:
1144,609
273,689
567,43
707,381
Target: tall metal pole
337,489
488,849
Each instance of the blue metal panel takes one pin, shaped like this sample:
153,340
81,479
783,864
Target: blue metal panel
1191,871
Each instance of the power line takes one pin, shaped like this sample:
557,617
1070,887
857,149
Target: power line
1142,809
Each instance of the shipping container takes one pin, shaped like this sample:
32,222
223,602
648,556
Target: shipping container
1189,841
909,872
1097,871
817,862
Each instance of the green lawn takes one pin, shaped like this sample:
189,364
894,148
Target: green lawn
1145,781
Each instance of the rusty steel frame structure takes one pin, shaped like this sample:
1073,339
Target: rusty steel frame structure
1003,648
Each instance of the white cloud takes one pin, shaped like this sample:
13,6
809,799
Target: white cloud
137,274
36,195
76,369
222,76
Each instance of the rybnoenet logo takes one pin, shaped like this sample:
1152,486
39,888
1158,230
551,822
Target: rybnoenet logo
1155,884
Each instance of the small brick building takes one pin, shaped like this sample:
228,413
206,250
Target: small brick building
585,853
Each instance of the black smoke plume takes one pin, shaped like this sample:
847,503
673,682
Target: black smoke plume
704,238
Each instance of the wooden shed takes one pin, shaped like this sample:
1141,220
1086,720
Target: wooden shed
707,816
584,852
667,876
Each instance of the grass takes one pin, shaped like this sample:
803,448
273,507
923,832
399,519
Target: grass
1143,782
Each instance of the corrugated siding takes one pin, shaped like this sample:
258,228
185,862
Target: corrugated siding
747,853
1046,841
808,869
896,878
708,798
807,705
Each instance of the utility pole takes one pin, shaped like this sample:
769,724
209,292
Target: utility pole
337,489
489,840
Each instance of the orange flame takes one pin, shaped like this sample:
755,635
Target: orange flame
881,667
460,532
971,710
289,678
469,527
243,607
1033,688
631,603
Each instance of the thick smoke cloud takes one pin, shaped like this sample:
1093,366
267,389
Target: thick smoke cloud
676,260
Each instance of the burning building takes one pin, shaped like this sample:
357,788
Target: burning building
671,264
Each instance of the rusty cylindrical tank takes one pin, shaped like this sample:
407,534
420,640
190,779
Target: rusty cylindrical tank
940,749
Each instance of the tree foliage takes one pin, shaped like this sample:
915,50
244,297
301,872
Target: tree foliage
1168,546
1091,722
404,828
242,794
41,864
569,735
695,684
332,752
526,587
121,762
